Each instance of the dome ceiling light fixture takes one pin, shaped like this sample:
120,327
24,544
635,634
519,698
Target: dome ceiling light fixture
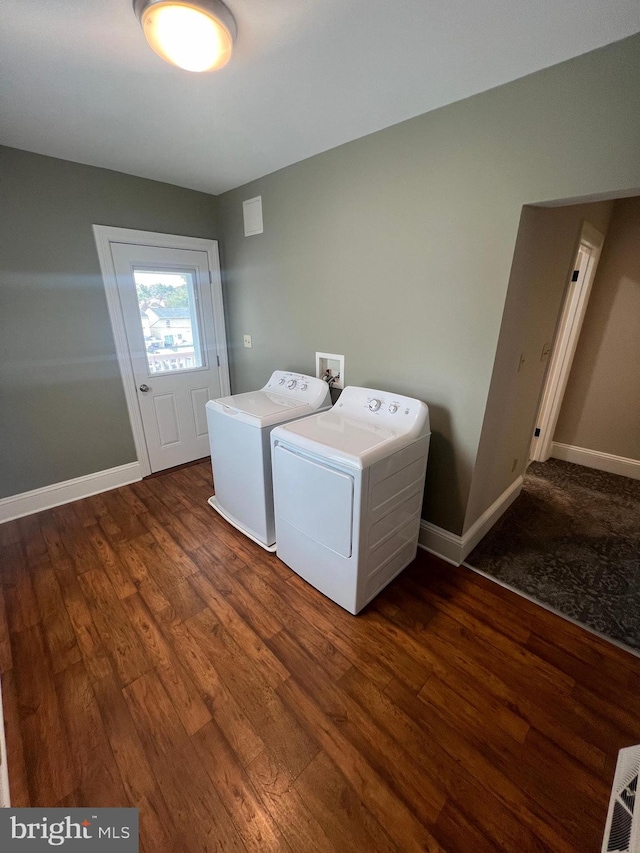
196,36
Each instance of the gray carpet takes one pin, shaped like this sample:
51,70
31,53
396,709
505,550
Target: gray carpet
571,540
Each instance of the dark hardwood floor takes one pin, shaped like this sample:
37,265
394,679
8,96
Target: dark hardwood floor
152,656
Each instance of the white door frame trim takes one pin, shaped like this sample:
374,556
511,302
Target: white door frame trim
104,236
5,798
572,316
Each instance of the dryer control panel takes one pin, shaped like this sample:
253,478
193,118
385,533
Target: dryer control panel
402,414
297,386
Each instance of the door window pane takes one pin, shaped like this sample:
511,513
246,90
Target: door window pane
169,318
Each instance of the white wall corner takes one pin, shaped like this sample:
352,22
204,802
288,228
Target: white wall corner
57,494
596,459
454,549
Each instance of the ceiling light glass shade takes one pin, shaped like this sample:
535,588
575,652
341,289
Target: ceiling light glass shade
195,36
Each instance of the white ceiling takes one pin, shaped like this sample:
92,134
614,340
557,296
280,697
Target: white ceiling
79,82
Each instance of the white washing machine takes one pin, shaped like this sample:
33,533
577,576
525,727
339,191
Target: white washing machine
348,487
239,429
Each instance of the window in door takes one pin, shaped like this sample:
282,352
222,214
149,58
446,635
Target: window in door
169,299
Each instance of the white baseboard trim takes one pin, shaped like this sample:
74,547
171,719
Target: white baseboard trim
454,549
57,494
436,540
483,525
596,459
5,800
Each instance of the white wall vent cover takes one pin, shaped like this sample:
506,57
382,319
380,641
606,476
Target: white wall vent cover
252,214
622,832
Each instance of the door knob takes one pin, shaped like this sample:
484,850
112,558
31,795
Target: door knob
144,387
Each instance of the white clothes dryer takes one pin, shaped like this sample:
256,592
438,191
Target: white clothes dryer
239,429
348,487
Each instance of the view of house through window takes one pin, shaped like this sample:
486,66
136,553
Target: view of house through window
169,320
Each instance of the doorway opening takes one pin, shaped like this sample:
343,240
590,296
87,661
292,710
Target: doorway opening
571,540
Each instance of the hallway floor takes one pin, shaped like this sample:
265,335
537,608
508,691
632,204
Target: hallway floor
571,541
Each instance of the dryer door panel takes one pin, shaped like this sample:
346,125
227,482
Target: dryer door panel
315,499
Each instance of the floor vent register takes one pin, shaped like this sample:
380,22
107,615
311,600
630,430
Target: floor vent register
622,832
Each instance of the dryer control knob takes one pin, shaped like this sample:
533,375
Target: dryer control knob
374,405
282,381
292,383
393,408
304,386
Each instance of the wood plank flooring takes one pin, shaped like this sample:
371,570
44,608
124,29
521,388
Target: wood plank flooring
152,656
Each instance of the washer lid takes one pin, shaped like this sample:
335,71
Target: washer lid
342,438
260,408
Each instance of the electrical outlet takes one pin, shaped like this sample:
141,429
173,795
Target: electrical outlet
247,341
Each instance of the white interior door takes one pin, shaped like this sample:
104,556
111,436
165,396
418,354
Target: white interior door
572,316
167,304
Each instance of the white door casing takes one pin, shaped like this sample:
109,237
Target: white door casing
570,323
168,420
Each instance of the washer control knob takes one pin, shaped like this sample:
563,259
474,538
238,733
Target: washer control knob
282,381
291,383
374,405
393,408
304,386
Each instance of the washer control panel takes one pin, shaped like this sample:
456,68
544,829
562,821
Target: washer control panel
298,387
382,404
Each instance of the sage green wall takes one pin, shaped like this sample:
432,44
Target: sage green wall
62,409
542,264
601,406
396,249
